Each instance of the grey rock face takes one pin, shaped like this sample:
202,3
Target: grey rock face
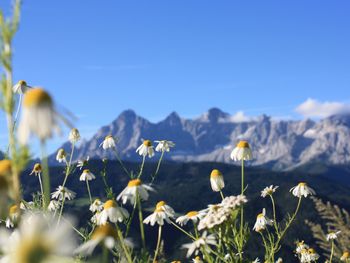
276,144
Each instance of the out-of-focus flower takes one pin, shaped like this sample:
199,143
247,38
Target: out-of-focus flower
97,205
83,163
162,212
87,175
262,221
269,190
216,180
345,256
302,189
61,156
197,259
5,172
164,145
36,169
332,235
12,217
54,205
74,135
279,260
108,142
63,193
96,218
301,246
111,212
20,87
38,240
38,117
257,260
204,242
308,256
241,152
194,216
134,188
145,149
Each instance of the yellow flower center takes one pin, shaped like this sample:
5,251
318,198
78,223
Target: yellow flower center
192,214
135,182
105,231
37,167
5,167
147,143
61,152
243,144
159,206
302,184
260,215
22,82
35,97
97,201
215,173
197,258
13,210
108,137
109,204
32,250
311,251
346,255
87,171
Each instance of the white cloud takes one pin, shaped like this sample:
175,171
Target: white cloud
312,108
239,116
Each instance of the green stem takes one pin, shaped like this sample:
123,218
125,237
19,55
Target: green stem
46,176
222,195
130,220
242,213
88,188
120,161
125,249
142,230
158,166
274,215
41,187
332,252
142,165
183,231
68,165
158,244
105,255
61,209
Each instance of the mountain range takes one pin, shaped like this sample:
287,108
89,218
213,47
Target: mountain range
276,144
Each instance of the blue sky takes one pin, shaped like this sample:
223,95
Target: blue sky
98,58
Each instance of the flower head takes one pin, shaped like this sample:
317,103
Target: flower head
197,259
241,152
161,212
20,87
83,163
63,193
133,188
87,175
332,235
39,117
194,216
145,149
12,218
112,212
36,169
108,142
54,205
302,189
269,190
5,172
262,221
164,145
74,135
96,206
216,180
345,256
61,156
204,242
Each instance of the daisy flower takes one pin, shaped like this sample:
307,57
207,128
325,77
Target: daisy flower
54,205
38,116
134,188
302,189
164,145
20,87
82,163
216,180
61,156
162,212
74,135
269,190
301,246
63,193
38,239
12,217
262,221
205,241
332,235
97,205
5,172
145,149
308,255
194,216
197,259
36,169
241,152
87,176
108,142
345,256
112,212
257,260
